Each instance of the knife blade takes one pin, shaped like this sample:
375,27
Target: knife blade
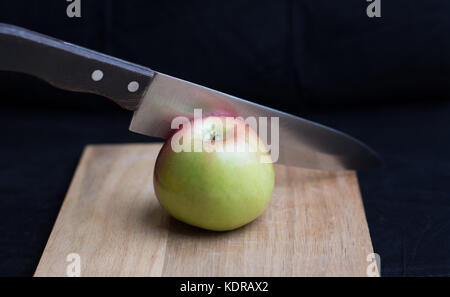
157,98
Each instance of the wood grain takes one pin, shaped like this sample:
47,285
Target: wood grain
314,226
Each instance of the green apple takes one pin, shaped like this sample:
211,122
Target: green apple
224,185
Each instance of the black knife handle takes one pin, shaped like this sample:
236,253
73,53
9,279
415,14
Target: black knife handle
72,67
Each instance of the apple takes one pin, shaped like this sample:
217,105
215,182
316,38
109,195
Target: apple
224,185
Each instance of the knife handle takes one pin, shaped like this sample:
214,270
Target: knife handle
72,67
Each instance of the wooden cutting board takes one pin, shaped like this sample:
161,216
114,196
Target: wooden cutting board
314,226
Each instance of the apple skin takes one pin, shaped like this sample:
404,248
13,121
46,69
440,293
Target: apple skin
214,190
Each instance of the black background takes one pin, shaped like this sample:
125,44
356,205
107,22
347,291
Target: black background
385,81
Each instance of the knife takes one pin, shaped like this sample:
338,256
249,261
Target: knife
156,98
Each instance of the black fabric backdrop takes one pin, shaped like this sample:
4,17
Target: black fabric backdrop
384,81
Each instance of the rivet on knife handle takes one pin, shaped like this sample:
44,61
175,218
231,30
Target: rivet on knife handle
71,67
